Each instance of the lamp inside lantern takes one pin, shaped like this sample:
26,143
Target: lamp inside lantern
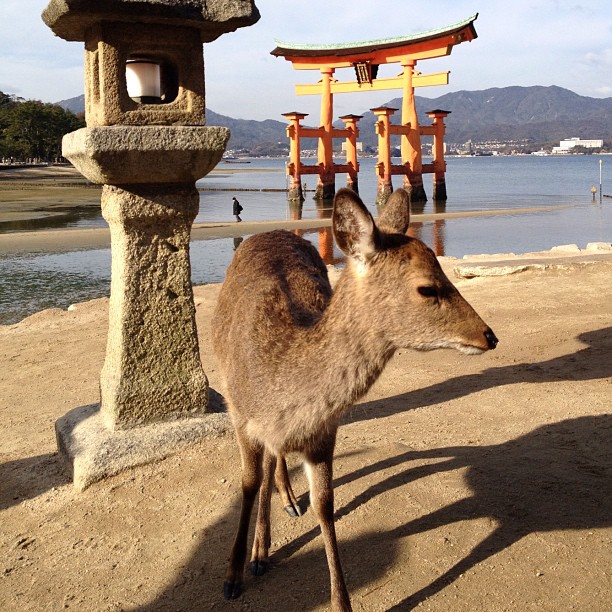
143,77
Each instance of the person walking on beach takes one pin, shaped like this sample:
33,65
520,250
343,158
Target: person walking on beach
237,209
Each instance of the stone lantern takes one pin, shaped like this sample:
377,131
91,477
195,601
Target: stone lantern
147,143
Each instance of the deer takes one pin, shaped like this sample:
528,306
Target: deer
295,355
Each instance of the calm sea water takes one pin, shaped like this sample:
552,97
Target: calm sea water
32,282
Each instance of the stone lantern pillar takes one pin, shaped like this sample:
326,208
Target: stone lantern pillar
147,143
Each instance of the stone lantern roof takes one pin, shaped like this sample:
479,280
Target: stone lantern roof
70,19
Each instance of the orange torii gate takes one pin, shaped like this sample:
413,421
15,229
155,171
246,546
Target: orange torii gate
365,58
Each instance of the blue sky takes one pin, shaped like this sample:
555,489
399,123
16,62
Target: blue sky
523,42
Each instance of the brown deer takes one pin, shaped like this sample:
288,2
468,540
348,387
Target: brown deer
295,355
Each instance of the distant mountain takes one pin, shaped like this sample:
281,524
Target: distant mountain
74,105
542,114
545,114
248,133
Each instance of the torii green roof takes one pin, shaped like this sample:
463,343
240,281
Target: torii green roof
338,49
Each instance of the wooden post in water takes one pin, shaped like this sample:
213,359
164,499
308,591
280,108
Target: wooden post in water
411,141
294,169
326,185
439,163
383,167
352,172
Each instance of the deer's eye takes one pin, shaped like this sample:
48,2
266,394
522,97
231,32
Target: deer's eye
428,291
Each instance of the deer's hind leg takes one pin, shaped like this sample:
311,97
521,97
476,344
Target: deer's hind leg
283,485
252,456
261,542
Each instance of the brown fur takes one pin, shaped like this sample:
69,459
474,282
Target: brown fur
295,356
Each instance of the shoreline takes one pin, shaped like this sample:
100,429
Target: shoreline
31,193
64,240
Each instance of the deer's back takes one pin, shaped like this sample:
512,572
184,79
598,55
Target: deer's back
275,287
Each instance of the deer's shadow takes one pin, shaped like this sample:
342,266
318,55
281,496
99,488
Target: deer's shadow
553,478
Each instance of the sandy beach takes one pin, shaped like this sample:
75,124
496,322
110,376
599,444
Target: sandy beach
462,483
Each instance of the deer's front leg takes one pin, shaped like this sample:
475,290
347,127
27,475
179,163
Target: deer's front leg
319,470
283,485
252,456
261,543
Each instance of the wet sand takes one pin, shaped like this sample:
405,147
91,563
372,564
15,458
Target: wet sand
34,193
28,193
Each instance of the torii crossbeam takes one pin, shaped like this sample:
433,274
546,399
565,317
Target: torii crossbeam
365,58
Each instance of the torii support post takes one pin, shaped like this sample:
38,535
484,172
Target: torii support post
439,163
294,168
326,185
411,142
383,167
350,122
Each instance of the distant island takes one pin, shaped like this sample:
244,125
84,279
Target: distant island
506,120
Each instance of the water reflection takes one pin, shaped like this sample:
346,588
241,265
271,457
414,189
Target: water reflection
431,233
62,218
324,235
29,283
32,283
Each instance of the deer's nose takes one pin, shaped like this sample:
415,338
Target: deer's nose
491,338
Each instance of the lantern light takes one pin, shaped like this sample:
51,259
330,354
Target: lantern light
143,77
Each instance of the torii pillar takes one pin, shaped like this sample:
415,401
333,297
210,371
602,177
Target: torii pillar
325,169
411,141
326,184
294,168
352,165
383,167
439,163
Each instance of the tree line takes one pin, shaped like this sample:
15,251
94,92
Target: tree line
33,130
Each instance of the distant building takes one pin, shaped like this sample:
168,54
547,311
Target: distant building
565,146
570,143
359,147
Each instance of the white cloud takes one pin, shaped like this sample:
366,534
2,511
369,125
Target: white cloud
601,59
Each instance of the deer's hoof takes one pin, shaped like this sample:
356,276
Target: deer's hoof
232,590
259,567
293,510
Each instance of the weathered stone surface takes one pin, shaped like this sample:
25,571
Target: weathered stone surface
566,248
123,155
91,451
179,52
603,247
70,19
475,270
152,370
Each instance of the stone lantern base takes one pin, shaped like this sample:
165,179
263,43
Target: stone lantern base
91,451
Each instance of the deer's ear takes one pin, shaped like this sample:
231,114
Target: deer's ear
395,216
354,229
